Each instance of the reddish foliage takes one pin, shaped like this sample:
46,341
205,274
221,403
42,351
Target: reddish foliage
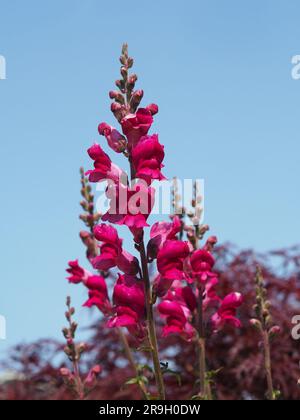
237,352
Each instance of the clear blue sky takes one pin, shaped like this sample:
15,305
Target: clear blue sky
229,113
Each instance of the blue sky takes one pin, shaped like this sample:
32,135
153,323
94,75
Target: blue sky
229,113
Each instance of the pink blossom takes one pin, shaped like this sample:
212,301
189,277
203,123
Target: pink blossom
100,300
98,294
130,206
115,140
90,380
170,259
104,168
210,294
202,263
111,252
129,301
160,232
170,265
227,311
137,125
177,319
77,273
153,108
147,158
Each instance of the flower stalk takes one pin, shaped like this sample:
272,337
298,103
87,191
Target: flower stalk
263,323
151,324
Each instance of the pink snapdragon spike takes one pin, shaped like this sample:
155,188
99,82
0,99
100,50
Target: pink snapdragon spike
227,311
115,140
77,273
111,252
147,158
129,301
104,168
137,125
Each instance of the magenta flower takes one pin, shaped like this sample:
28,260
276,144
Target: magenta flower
130,206
77,273
202,263
98,295
160,232
227,311
112,253
170,259
210,294
177,318
115,140
129,301
104,168
137,125
100,300
170,265
147,158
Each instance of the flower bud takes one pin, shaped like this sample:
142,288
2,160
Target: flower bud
153,108
65,372
132,79
136,98
255,323
274,331
118,111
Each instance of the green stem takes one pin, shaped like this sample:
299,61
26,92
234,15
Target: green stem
132,363
151,324
205,391
267,361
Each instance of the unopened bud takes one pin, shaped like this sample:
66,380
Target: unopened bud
274,331
132,79
65,372
130,62
124,73
120,84
255,323
136,98
153,108
81,348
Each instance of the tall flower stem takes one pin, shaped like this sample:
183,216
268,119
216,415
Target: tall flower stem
263,323
205,391
132,363
268,369
151,323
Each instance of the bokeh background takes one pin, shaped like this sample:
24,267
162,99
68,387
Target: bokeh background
229,113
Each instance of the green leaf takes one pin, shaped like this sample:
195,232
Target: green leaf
132,381
142,367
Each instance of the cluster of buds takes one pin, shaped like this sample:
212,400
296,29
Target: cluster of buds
81,387
195,231
263,318
264,324
126,98
89,217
